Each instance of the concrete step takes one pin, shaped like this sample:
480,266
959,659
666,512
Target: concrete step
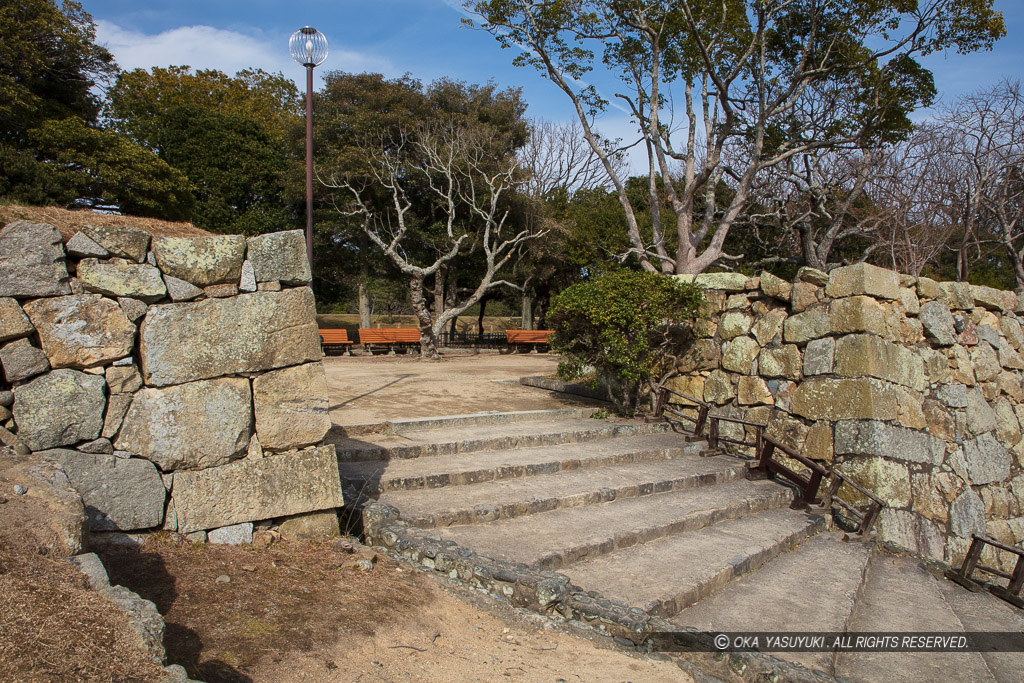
984,612
560,538
490,417
376,476
813,588
483,437
671,574
509,498
900,595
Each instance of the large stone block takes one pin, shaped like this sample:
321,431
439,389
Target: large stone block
32,261
718,388
738,355
769,326
775,287
937,322
873,437
812,276
780,361
120,277
859,355
124,241
13,321
987,460
702,354
993,299
291,407
201,261
839,399
888,480
985,361
248,490
199,424
82,330
1010,327
280,256
958,295
753,391
734,324
803,296
857,314
980,416
725,282
967,515
691,385
803,327
930,289
863,278
120,494
819,356
315,526
912,532
251,332
60,408
21,360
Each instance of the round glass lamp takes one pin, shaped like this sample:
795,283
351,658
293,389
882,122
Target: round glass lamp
308,46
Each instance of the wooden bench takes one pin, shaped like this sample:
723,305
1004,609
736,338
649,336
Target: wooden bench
333,339
534,338
402,337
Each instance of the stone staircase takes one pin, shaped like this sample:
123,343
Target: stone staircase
624,525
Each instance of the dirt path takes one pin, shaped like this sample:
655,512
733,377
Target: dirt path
367,389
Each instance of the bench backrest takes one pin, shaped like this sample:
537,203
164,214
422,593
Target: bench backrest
389,335
334,337
528,336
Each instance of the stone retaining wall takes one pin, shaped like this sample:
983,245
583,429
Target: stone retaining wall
911,386
176,380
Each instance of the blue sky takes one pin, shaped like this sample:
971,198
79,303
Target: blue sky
394,37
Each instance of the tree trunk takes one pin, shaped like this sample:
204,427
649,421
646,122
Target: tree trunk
439,282
364,276
527,312
480,317
428,340
364,307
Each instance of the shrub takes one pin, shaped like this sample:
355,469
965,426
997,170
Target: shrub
624,326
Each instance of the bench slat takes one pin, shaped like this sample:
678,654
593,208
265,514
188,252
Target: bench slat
528,336
334,337
390,335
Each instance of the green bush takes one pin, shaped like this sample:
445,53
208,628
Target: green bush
626,327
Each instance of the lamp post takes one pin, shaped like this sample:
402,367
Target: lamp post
309,48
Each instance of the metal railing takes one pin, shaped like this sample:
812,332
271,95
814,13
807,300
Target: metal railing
472,340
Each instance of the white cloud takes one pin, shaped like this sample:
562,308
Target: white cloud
205,47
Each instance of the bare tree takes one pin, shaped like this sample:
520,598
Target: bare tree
557,156
453,168
987,132
818,201
779,78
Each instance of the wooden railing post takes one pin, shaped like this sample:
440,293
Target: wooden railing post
702,418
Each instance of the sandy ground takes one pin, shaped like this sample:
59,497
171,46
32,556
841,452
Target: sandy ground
459,636
367,389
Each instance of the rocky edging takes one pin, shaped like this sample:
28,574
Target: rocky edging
553,594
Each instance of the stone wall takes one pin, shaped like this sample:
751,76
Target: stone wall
176,380
912,387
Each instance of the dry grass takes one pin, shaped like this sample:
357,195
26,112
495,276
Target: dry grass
70,222
291,597
52,627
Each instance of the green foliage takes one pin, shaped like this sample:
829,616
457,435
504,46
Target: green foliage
234,163
227,134
99,168
49,64
624,325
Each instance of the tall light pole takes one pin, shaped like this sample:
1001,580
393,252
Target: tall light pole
309,48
